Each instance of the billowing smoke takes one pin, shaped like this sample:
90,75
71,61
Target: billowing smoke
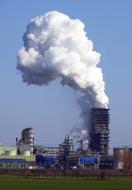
56,46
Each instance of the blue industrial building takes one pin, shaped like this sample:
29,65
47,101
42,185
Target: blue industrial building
15,163
89,161
46,160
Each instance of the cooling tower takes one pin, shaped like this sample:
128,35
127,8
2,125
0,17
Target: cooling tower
99,131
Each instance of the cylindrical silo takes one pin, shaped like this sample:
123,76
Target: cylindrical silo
10,153
121,158
130,158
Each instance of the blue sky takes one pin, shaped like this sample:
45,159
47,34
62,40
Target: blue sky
52,110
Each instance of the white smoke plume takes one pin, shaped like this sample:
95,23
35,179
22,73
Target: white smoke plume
56,46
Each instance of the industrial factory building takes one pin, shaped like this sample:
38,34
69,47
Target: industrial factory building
64,156
95,156
9,159
20,156
28,155
67,158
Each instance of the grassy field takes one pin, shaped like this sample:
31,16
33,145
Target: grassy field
19,183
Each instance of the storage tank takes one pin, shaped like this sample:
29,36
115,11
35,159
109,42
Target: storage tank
130,158
10,153
121,158
26,153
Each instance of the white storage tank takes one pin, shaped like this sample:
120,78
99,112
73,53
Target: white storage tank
26,153
10,153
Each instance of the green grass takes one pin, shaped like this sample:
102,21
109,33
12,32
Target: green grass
19,183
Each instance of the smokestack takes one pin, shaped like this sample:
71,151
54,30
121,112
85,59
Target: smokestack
56,46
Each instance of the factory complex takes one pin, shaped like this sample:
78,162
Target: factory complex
27,155
21,156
